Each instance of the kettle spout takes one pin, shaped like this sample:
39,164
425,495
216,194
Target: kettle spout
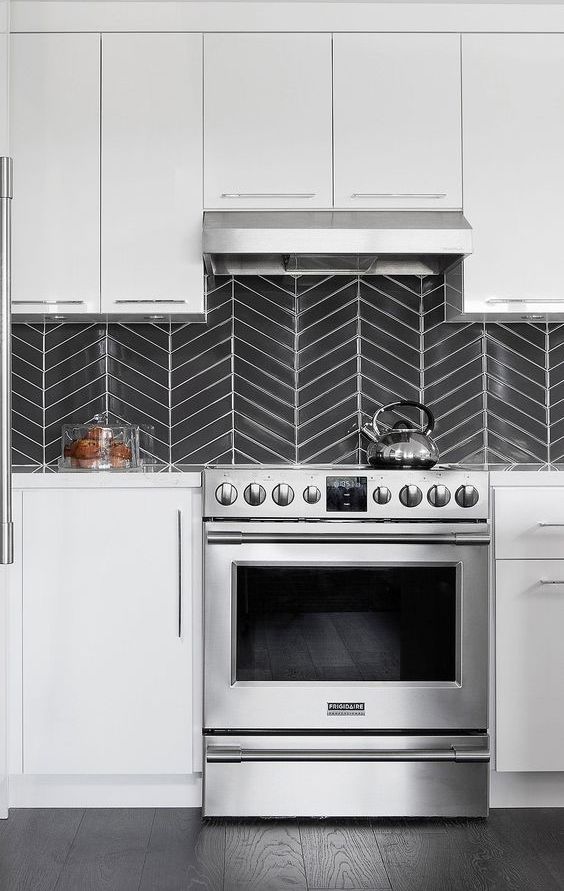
368,431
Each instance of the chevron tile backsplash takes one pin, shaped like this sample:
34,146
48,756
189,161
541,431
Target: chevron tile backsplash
285,370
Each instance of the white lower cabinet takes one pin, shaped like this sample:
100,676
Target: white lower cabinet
530,665
108,632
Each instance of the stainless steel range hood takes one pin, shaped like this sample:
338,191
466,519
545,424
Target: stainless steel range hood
334,242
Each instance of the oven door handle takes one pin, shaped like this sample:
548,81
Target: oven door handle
236,754
239,538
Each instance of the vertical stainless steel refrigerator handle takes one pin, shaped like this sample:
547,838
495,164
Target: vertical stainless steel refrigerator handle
179,529
6,524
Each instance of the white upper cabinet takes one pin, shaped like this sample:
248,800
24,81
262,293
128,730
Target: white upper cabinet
267,121
513,115
397,121
55,140
152,174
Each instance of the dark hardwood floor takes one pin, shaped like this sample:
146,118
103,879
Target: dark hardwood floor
174,850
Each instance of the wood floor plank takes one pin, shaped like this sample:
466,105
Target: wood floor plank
459,855
342,855
544,829
184,853
263,856
108,851
34,844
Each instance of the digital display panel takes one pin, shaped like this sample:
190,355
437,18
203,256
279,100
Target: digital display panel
347,494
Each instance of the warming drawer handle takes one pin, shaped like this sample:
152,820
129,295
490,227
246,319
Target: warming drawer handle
236,754
238,538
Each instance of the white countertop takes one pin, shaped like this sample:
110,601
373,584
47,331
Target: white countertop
108,480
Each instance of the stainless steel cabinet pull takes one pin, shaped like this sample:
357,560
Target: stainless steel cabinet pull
6,524
398,195
180,570
552,581
268,194
48,302
236,754
555,300
150,302
548,525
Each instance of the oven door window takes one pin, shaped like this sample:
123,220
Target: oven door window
345,623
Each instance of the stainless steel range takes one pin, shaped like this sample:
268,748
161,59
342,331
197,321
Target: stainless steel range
346,642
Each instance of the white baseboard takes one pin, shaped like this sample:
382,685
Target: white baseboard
105,791
526,789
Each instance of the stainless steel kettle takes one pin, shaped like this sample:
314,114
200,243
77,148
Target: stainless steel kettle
401,445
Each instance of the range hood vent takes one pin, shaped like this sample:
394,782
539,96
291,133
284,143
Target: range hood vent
334,242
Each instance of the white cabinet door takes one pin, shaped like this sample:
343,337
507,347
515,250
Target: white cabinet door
397,121
529,522
107,619
530,665
152,174
267,121
512,97
55,137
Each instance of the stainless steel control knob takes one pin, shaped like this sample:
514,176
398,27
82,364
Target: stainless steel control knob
438,496
410,496
226,494
283,495
311,494
254,494
466,496
382,495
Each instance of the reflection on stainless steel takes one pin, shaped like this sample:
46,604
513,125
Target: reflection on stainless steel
357,617
6,524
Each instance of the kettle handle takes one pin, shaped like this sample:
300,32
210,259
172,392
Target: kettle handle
426,411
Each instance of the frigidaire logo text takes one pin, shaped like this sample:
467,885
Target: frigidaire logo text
345,708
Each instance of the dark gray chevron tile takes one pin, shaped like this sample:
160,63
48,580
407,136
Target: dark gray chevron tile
280,403
66,386
139,395
202,364
265,417
264,343
256,328
401,388
517,439
508,394
89,339
374,358
450,413
27,399
443,370
195,402
249,450
312,290
325,382
280,289
460,378
211,343
330,308
336,414
500,354
30,336
513,413
188,426
158,432
75,404
374,396
24,370
334,444
248,305
432,288
378,301
455,440
500,448
328,398
388,342
442,342
468,451
91,357
556,395
337,359
526,340
344,316
252,425
74,410
218,451
27,444
515,380
556,374
218,426
246,355
148,347
185,389
69,334
327,345
373,319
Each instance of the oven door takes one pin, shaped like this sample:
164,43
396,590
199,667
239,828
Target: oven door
331,626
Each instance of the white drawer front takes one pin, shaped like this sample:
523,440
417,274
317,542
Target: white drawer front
529,523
